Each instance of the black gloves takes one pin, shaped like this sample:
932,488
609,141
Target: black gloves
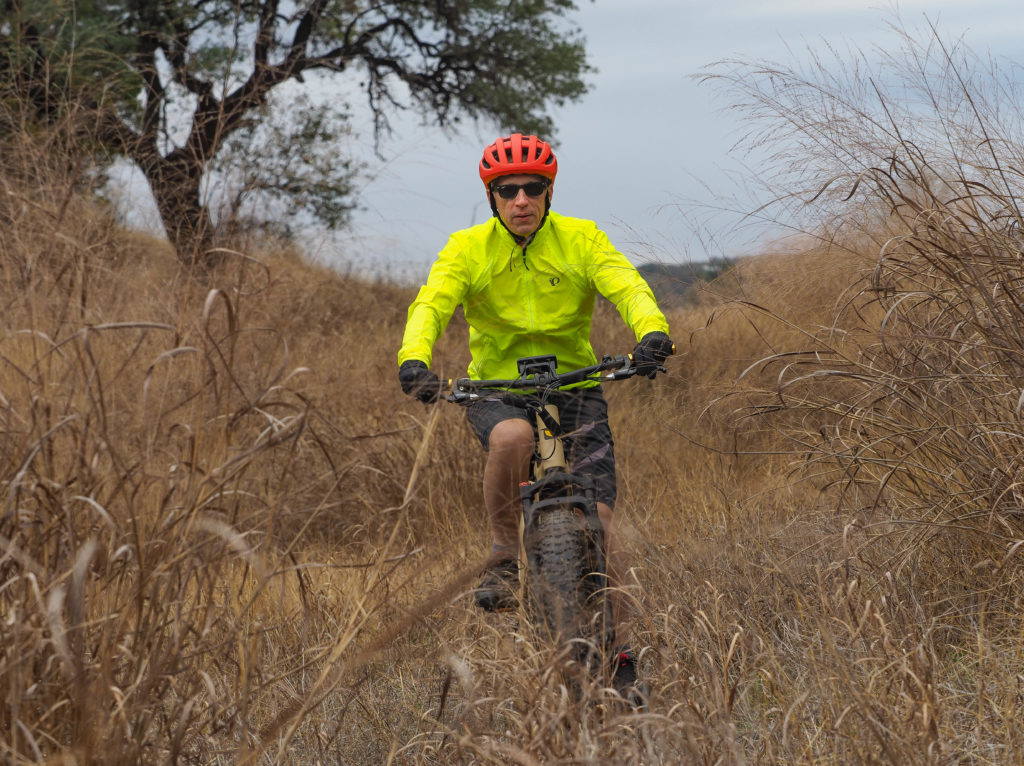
417,380
651,352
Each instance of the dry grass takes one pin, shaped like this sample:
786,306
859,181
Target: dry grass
228,538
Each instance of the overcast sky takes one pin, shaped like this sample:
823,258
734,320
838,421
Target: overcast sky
645,53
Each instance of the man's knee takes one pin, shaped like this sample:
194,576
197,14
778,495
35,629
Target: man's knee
511,438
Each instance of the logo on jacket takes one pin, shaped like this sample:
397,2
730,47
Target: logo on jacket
554,281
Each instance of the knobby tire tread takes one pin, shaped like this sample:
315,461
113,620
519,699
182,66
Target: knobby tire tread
558,557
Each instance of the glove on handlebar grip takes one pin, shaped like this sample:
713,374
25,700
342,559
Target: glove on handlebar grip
417,380
651,352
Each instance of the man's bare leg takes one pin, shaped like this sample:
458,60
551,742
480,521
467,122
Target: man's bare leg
508,466
510,448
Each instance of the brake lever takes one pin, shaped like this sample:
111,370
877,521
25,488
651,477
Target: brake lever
628,372
455,394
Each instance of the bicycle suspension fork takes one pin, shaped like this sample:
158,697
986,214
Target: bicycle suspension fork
550,451
580,555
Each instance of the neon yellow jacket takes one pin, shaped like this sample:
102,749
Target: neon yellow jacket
525,302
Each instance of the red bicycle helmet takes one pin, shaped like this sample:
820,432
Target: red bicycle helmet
518,155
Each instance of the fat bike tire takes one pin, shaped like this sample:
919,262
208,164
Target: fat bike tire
567,585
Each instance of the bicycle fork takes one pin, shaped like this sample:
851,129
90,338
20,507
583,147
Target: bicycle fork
553,484
555,489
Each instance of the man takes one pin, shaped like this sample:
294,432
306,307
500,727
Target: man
527,280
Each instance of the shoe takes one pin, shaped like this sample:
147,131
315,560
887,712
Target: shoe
626,681
498,587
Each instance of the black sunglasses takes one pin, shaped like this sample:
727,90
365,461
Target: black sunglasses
511,191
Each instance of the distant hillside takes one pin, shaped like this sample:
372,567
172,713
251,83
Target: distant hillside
673,283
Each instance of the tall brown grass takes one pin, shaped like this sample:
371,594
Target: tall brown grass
227,536
914,384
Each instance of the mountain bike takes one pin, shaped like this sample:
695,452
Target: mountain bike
562,537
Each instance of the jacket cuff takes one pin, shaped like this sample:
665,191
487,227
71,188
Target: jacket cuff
655,335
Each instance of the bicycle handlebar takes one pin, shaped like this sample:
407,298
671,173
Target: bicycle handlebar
616,368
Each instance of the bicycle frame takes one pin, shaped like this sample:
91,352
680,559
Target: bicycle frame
562,534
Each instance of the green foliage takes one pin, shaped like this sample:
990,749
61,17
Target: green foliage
502,61
283,172
60,55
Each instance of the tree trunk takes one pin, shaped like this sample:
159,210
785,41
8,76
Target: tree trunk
175,183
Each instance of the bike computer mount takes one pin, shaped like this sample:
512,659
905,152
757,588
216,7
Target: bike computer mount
537,365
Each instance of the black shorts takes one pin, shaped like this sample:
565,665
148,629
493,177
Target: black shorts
583,413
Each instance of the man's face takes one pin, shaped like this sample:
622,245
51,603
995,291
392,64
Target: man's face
521,213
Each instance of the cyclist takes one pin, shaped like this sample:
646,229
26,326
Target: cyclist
527,280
